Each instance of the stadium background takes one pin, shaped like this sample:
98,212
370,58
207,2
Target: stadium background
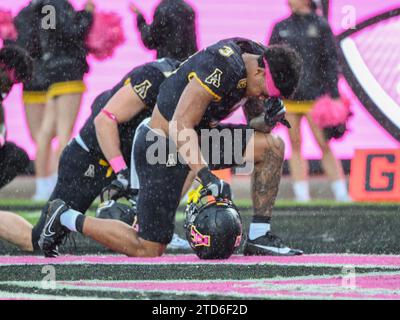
217,20
352,249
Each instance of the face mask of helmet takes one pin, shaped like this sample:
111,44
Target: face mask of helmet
213,228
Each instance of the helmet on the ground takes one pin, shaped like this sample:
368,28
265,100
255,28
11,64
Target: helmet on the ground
213,226
118,211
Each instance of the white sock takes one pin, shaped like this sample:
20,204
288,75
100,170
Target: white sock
301,191
339,189
68,219
258,230
53,179
41,185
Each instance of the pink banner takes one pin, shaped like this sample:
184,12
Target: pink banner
217,20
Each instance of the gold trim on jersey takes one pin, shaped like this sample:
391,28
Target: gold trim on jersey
194,75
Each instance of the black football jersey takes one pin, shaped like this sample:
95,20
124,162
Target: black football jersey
220,69
145,81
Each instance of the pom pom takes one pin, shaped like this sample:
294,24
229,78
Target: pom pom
328,112
105,35
17,61
7,28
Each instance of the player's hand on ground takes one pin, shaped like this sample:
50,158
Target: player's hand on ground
118,188
214,186
275,112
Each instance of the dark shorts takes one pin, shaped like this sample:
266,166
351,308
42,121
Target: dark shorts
161,182
81,178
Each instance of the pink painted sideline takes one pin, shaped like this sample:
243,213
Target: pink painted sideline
329,259
367,287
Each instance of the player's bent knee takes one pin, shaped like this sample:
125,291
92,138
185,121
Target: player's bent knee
279,144
275,144
267,143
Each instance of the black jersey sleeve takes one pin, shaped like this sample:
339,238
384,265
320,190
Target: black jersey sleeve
218,69
146,82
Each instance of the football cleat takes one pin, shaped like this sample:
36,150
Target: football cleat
177,243
54,232
268,245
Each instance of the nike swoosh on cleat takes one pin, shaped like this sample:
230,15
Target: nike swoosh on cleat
47,228
284,250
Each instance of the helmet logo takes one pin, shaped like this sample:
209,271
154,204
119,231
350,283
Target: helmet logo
198,239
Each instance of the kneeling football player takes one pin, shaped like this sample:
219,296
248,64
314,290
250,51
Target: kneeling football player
204,90
96,160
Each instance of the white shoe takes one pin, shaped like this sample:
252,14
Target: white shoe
177,243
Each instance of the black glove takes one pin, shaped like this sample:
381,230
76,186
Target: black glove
275,112
118,188
214,186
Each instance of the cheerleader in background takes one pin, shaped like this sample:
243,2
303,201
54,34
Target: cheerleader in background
27,24
311,35
63,54
15,66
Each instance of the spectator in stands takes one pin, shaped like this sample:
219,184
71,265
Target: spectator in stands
15,66
63,53
173,31
311,35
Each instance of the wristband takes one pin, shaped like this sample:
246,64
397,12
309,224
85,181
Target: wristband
118,164
109,115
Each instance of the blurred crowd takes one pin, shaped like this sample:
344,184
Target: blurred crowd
52,96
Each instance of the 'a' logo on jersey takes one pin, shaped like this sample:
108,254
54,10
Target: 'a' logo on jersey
214,78
142,88
171,160
90,171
